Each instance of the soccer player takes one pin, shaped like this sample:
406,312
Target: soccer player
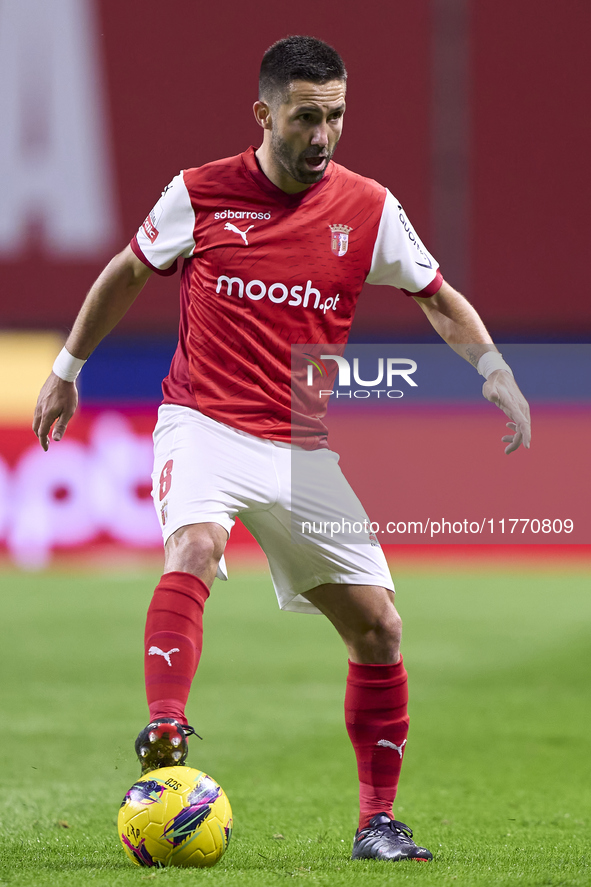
275,244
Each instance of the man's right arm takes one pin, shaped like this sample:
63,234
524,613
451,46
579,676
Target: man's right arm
110,297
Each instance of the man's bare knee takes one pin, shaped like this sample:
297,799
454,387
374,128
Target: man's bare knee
196,549
366,619
376,640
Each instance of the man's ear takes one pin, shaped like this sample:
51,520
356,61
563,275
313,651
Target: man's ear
262,113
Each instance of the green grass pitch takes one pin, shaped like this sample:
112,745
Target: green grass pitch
496,779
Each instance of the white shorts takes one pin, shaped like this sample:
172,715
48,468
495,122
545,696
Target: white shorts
205,471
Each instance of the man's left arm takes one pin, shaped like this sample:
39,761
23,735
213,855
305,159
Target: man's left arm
458,324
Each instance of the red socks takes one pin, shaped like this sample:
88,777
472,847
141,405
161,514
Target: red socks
375,700
377,724
173,642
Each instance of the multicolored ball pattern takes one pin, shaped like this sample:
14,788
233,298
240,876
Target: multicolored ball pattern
175,816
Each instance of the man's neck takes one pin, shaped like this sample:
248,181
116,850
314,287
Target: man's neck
275,173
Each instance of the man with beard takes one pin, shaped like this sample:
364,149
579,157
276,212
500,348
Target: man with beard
277,243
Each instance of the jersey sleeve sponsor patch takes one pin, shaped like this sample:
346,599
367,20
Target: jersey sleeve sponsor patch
399,257
168,230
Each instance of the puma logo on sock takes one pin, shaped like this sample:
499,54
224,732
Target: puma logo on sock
156,651
398,748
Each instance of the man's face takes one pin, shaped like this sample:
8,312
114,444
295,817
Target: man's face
306,127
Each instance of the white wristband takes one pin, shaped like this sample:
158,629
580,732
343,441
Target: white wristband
66,366
491,361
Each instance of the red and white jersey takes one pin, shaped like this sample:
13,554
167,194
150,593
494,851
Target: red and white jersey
264,270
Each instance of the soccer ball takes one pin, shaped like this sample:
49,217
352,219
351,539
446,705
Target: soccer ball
175,816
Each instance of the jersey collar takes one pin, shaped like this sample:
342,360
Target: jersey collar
252,166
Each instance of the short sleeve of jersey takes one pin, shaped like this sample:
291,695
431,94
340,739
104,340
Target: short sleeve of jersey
168,231
399,258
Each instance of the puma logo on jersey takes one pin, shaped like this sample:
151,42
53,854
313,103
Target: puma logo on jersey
398,748
156,651
230,227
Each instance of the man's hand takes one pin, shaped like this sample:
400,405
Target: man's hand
58,400
456,321
501,389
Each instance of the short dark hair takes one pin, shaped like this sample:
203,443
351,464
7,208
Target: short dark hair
298,58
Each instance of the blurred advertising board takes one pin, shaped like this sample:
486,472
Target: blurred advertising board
428,464
92,486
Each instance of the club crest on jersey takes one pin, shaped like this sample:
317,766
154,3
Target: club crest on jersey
339,239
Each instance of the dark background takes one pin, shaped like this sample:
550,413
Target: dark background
180,80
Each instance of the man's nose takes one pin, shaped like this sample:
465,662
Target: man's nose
320,137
